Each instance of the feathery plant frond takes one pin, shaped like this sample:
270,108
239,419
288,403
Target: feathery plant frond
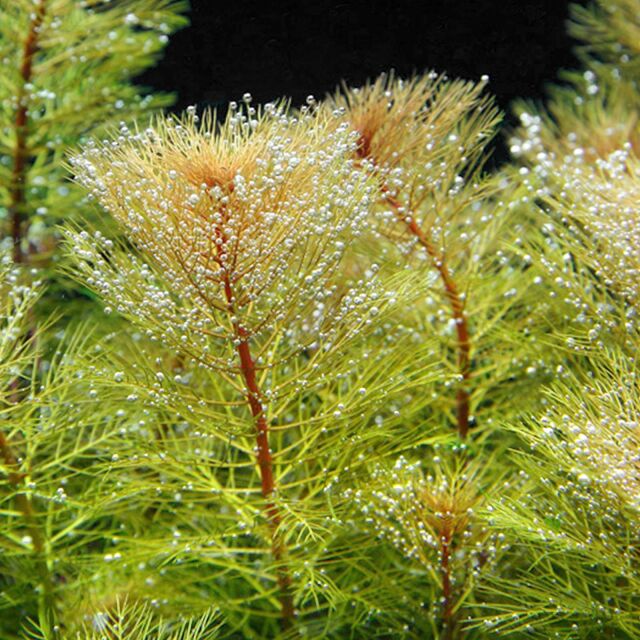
422,139
432,521
139,622
233,237
16,349
600,200
585,243
572,515
58,86
580,171
54,505
186,472
610,31
240,228
578,120
596,111
575,518
16,300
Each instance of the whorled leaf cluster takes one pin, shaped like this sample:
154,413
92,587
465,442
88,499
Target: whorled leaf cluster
347,383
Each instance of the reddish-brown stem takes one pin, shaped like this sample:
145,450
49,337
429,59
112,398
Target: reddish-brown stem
265,462
448,614
17,221
457,311
17,190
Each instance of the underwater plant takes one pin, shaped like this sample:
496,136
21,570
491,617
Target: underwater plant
139,622
425,142
59,86
240,229
54,504
435,522
348,383
571,519
422,138
573,525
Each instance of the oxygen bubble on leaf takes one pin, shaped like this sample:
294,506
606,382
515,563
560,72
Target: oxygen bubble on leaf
584,479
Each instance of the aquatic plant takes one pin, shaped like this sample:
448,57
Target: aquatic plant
241,227
571,516
51,434
435,522
139,622
573,525
422,138
351,385
59,86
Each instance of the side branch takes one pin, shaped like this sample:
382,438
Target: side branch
17,190
457,311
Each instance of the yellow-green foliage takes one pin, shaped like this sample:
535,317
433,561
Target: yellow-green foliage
67,71
350,385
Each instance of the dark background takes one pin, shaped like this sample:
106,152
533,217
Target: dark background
297,48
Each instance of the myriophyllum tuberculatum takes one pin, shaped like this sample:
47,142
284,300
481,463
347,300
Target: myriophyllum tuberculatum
244,224
595,204
48,99
577,512
422,139
432,520
17,354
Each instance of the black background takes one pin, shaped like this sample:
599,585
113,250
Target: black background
297,48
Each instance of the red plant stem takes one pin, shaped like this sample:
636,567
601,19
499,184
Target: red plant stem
17,190
457,308
265,463
448,616
18,220
17,216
